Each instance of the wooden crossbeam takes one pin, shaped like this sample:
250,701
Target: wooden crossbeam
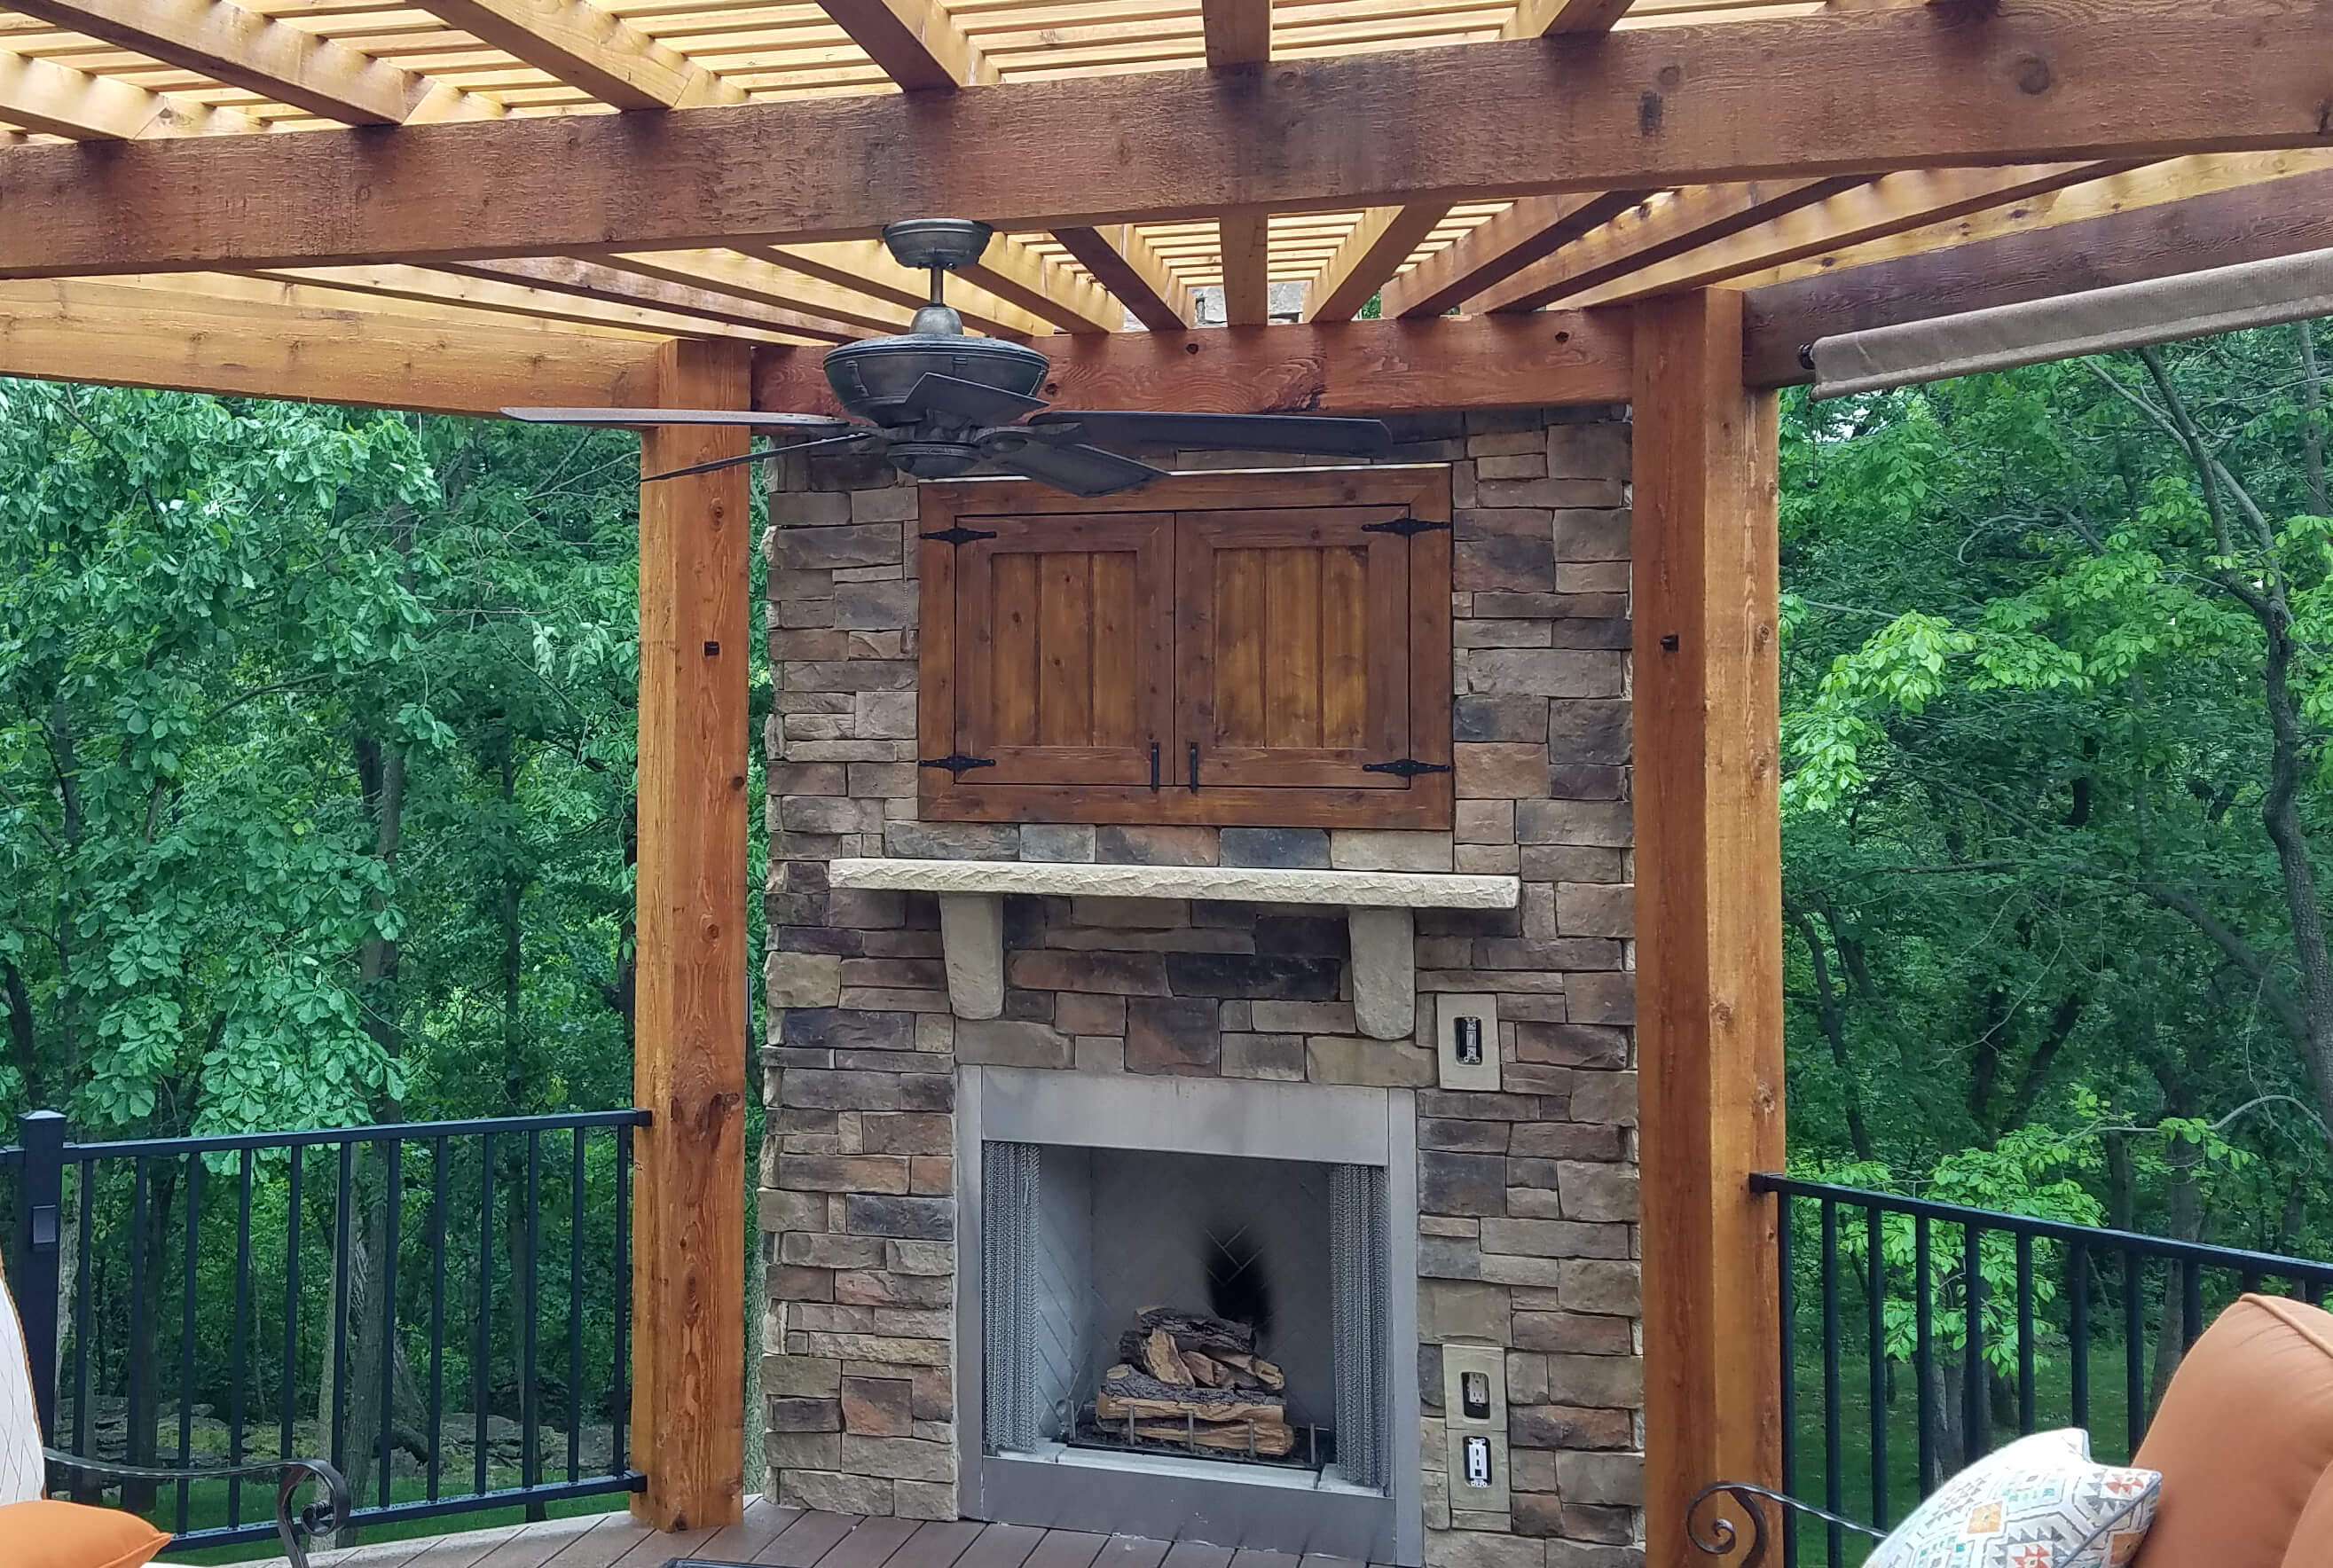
809,299
1662,227
122,335
596,281
2250,223
916,43
590,48
865,266
43,96
1542,18
1499,248
1012,271
2036,83
422,285
1864,210
1238,32
1245,240
1125,263
1546,358
1368,259
275,59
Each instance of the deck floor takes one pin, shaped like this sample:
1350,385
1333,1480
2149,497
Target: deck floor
790,1538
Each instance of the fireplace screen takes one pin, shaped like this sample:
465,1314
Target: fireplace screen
1199,1306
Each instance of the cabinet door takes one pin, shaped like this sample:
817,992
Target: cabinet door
1292,644
1063,648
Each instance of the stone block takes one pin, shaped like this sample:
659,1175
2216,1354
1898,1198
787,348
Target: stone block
1598,451
1598,1192
881,1287
1594,1478
1503,562
1056,841
1155,845
1571,1045
1574,1334
1273,1016
1276,1057
1599,1382
1596,908
1102,1054
805,1451
1499,770
875,605
1319,936
1285,846
1448,1257
1532,1273
1601,999
811,1089
1486,822
789,1413
1279,976
800,1376
1141,974
1377,1064
878,1407
1552,672
951,841
791,1210
834,1492
821,1250
879,1173
1458,1310
930,1218
1172,1036
1130,913
1012,1043
1450,1183
1554,1239
1481,1549
1388,849
1606,1097
1464,1137
1489,860
1589,731
923,1500
1083,1013
1538,1513
1595,1286
1558,1427
1604,823
1593,534
932,1258
883,715
1499,716
801,548
802,979
910,1132
898,1458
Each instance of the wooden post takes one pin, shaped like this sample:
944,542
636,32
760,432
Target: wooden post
689,1067
1709,915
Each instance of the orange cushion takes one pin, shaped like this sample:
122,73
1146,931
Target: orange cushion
2312,1538
46,1535
2244,1434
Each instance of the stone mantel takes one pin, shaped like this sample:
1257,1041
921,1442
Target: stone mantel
1378,907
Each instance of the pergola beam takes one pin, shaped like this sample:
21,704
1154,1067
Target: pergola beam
1368,259
1014,273
1238,32
1545,18
587,47
594,280
916,43
1124,262
43,96
865,267
1499,248
2251,223
1245,241
246,49
1548,358
120,334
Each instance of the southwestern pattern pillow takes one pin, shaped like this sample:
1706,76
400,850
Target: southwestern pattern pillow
2040,1502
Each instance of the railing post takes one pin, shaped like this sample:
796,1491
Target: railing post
42,1134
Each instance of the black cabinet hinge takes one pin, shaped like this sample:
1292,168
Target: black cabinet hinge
1406,767
958,534
1404,526
957,763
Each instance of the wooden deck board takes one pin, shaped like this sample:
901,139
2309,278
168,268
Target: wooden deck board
782,1537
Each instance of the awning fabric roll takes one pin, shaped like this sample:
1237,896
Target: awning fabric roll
2128,316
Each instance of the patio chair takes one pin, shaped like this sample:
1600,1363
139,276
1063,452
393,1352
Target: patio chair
24,1462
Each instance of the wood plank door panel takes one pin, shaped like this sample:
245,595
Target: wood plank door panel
1293,646
1064,630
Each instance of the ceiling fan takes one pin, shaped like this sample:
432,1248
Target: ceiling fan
939,402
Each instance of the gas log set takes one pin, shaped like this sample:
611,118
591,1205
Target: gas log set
1187,1380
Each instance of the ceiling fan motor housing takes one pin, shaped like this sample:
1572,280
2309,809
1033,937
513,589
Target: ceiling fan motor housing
872,378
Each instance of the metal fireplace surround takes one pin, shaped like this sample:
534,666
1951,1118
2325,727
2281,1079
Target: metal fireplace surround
1288,1509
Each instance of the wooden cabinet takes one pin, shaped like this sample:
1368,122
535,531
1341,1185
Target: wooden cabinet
1266,648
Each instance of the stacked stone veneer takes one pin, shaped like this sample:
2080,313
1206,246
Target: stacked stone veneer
1528,1197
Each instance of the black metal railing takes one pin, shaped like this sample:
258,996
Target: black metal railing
1914,1332
441,1309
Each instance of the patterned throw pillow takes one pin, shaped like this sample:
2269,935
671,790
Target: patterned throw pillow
2040,1502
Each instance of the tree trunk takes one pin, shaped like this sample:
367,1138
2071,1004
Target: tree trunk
1831,1011
2183,1214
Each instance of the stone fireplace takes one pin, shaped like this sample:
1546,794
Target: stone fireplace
1097,1069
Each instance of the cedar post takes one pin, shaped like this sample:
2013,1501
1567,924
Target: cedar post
689,1067
1709,917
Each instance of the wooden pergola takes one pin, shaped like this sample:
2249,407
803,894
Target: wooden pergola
467,204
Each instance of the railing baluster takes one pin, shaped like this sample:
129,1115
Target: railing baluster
339,1318
2078,1333
237,1390
392,1221
1923,1346
186,1333
1787,1283
619,1418
141,1432
1833,1487
2024,1331
575,1305
530,1385
1876,1338
1975,1417
436,1313
85,1303
288,1380
2134,1345
2191,1303
479,1381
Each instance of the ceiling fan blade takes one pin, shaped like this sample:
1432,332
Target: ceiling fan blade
1074,466
856,436
639,418
967,400
1308,433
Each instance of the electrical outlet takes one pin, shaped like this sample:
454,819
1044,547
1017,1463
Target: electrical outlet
1466,1040
1474,1418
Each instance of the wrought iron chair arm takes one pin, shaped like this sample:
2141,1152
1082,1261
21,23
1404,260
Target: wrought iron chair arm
296,1527
1719,1538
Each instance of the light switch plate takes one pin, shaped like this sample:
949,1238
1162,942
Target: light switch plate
1466,1040
1475,1419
